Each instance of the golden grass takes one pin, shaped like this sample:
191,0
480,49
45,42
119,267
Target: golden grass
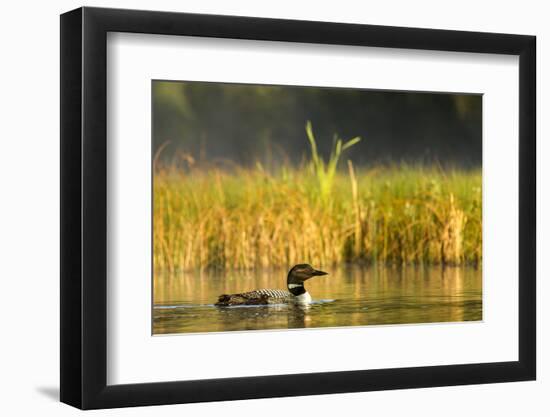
249,218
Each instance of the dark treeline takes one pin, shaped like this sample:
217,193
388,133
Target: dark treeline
248,123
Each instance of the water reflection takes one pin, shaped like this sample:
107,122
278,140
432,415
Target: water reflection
349,296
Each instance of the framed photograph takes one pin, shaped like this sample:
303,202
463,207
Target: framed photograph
258,208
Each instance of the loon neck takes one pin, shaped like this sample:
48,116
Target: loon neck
296,289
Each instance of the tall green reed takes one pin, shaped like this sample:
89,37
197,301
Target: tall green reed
325,172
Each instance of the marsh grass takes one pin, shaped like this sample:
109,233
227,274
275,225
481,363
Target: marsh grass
325,172
206,217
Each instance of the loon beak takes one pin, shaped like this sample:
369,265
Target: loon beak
319,273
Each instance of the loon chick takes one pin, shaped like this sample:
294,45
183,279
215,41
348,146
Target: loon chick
296,292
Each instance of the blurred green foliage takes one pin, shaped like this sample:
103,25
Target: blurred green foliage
245,124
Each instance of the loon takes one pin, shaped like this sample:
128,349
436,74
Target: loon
296,291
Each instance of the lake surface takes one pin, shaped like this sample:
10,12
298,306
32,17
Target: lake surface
349,296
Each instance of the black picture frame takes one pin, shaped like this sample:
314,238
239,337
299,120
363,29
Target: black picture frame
84,207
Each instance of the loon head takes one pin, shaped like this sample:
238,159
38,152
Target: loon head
298,274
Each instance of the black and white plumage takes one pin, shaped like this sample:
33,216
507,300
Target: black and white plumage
256,297
296,291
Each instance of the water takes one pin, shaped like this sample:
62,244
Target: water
351,296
